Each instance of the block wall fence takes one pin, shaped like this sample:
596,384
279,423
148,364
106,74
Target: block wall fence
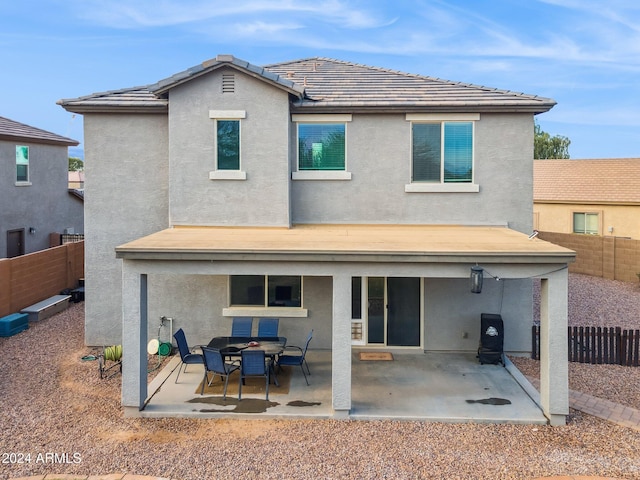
30,278
614,258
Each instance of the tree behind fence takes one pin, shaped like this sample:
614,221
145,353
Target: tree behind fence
598,345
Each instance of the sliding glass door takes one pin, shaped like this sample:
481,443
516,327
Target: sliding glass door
393,311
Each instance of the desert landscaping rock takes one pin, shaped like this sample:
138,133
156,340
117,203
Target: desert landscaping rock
57,410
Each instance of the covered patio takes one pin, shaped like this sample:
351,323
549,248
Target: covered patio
442,387
342,252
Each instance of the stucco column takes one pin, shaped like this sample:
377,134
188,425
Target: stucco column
134,340
554,367
341,345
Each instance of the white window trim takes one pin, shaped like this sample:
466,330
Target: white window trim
227,174
227,114
293,312
442,117
443,187
322,174
321,117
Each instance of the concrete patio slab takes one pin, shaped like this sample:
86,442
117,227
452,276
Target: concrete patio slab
443,387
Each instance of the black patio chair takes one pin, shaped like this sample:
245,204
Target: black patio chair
241,326
186,355
214,363
296,358
254,363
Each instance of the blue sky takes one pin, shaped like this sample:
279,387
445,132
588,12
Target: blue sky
585,54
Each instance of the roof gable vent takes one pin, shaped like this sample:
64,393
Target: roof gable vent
228,83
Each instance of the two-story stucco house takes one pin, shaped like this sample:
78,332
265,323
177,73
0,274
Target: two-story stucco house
35,200
329,194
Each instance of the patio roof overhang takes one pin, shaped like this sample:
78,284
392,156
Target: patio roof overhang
346,243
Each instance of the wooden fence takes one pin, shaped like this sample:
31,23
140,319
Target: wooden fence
27,279
598,345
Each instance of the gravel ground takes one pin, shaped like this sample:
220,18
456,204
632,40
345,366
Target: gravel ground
59,412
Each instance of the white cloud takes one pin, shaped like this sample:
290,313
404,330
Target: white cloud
161,13
259,28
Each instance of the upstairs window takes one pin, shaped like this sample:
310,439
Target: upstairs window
22,164
227,149
321,146
442,152
228,144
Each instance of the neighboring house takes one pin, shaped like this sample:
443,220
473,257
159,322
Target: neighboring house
76,180
34,197
592,197
349,199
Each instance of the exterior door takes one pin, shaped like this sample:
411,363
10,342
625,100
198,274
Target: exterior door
15,243
393,311
403,312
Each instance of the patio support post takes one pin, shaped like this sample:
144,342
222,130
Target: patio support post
554,367
341,345
134,339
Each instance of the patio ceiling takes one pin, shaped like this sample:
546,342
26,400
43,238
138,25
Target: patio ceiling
396,243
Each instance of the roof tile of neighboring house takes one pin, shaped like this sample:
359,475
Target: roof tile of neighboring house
322,84
587,181
19,132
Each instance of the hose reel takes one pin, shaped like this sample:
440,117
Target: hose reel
113,354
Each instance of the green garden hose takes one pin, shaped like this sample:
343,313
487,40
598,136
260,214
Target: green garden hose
113,353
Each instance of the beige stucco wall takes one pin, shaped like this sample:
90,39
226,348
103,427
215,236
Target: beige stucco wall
555,217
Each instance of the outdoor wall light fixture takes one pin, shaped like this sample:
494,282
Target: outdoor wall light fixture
32,230
476,279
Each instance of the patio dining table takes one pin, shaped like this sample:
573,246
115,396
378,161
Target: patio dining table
233,347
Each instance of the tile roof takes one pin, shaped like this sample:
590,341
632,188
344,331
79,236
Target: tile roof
163,86
15,131
134,99
321,84
610,181
333,83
